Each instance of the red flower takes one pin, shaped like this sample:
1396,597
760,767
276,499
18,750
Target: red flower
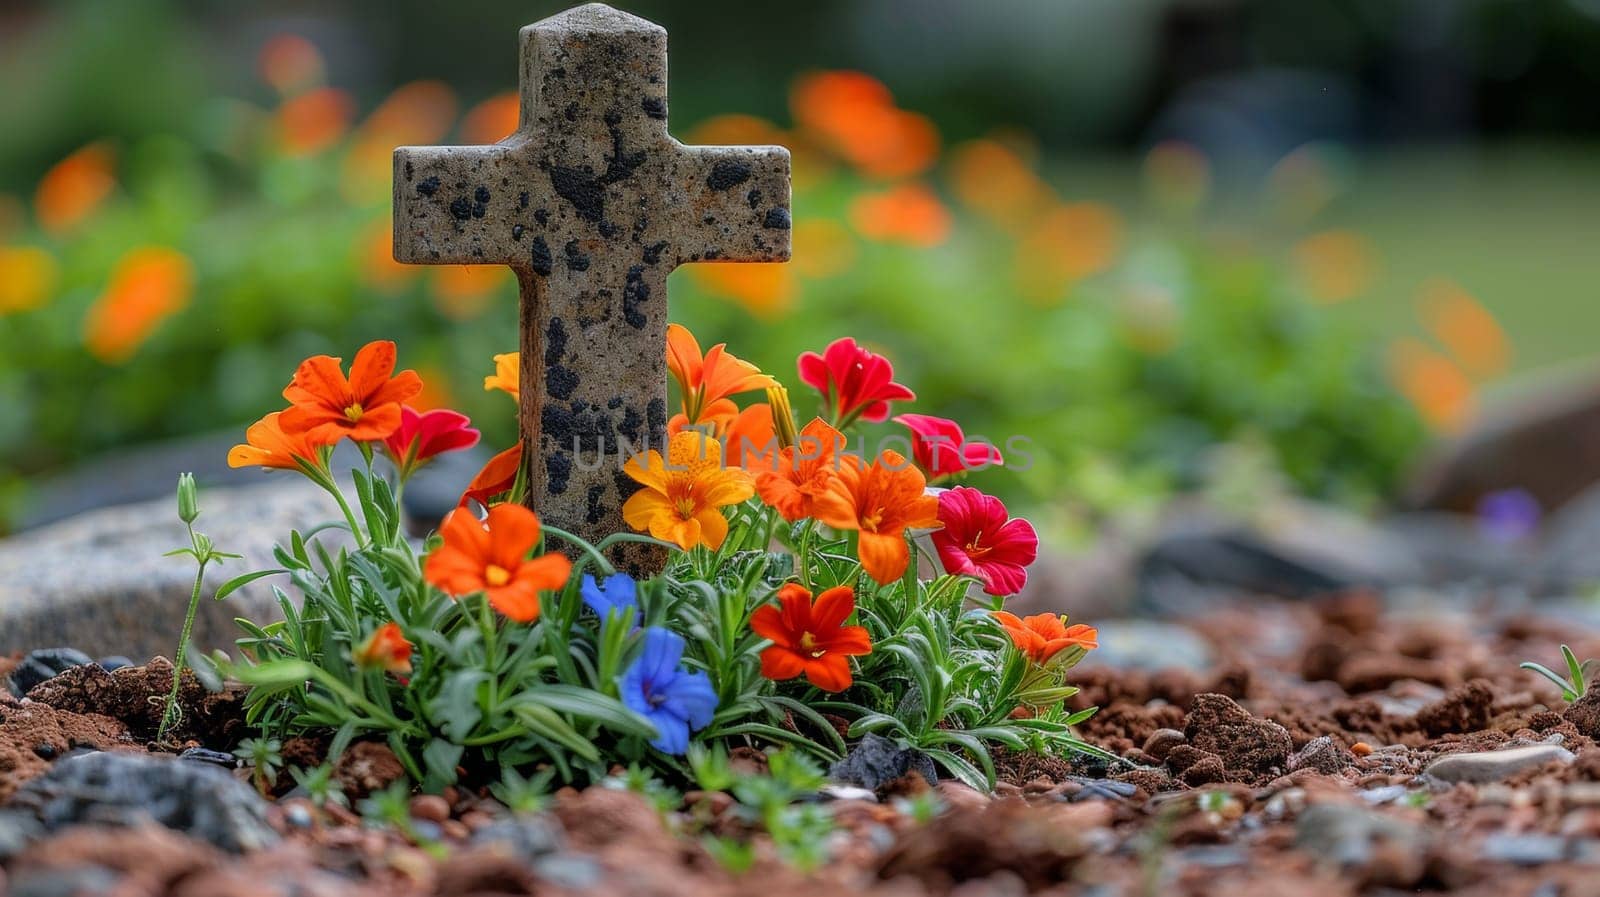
979,541
365,406
496,478
942,450
810,638
853,381
425,434
386,649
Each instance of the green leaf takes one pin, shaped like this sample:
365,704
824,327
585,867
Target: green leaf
276,673
455,710
232,585
439,760
588,704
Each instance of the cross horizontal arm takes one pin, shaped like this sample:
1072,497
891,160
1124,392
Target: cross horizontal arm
459,205
730,203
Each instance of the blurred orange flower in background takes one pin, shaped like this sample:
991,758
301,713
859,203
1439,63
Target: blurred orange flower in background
1441,391
1465,327
290,63
75,187
436,391
822,248
910,214
313,121
147,286
492,120
28,277
992,179
765,289
420,112
1335,265
853,115
1071,242
375,258
462,292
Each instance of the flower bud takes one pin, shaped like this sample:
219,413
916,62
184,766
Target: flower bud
188,498
782,416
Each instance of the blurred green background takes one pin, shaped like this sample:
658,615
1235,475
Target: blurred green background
1135,233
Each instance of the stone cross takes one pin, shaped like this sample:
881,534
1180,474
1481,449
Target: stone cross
592,203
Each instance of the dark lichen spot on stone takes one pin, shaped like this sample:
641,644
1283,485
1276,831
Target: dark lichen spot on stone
410,170
571,112
595,509
777,219
555,342
516,232
709,219
558,470
428,186
614,402
727,174
656,415
522,200
542,216
607,229
753,198
560,381
713,254
542,261
582,189
574,426
481,194
461,208
635,293
577,259
558,73
652,253
655,107
632,420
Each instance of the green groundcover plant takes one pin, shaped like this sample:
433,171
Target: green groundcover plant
810,594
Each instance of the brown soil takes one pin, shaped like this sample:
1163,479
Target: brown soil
1292,767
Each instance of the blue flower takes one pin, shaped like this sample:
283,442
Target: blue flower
618,593
676,701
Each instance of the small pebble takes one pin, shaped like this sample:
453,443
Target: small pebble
1361,749
476,820
455,829
1162,741
430,807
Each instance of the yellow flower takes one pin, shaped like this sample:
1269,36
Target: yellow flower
507,375
683,495
27,278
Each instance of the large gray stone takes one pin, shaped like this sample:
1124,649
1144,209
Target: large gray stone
98,582
592,203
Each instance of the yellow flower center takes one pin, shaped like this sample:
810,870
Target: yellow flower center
353,411
496,575
871,522
808,643
685,508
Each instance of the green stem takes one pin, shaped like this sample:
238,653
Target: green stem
169,716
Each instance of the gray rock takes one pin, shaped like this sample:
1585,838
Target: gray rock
121,789
17,830
1523,850
1351,838
99,582
876,761
592,203
42,664
1493,766
1148,645
1322,755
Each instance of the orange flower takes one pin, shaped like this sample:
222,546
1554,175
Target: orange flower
507,375
267,445
497,477
1069,243
909,214
27,278
855,116
805,471
375,258
1465,327
765,289
752,439
1442,393
417,113
880,501
462,292
683,495
492,120
994,180
365,407
492,557
290,63
71,190
386,649
313,121
1044,636
1335,265
810,638
705,379
148,285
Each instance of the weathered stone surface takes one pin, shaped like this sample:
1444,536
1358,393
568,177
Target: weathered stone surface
1492,766
98,582
592,203
119,789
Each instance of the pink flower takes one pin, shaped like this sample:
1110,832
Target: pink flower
978,540
422,435
942,450
854,382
